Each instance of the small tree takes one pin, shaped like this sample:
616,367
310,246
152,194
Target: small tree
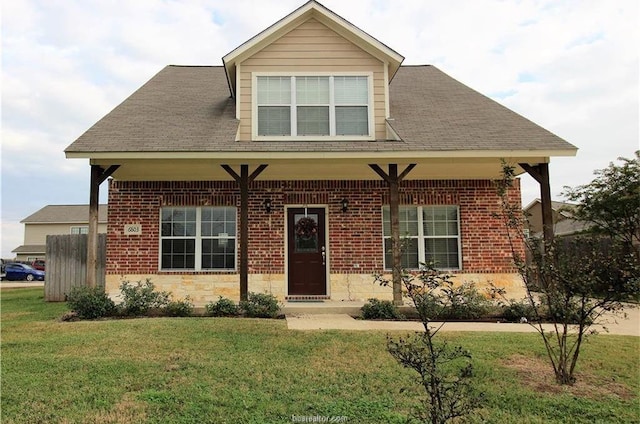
444,372
572,281
611,202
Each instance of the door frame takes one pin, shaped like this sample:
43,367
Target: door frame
286,243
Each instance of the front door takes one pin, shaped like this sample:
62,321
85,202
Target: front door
307,252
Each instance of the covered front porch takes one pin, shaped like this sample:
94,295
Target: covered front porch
267,193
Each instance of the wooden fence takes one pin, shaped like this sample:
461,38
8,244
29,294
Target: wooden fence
67,264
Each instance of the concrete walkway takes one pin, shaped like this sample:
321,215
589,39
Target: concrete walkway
332,321
20,284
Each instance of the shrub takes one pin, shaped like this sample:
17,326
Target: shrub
562,311
178,308
428,305
464,302
380,309
514,311
90,302
260,305
222,308
139,298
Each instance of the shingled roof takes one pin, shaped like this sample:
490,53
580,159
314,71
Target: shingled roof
56,214
188,109
433,111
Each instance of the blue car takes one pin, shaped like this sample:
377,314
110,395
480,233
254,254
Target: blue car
19,272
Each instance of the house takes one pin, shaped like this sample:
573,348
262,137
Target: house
563,222
55,219
297,166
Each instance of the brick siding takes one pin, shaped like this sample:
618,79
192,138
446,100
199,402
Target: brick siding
355,236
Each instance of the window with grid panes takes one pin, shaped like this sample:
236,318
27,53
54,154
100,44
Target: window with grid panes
313,105
198,238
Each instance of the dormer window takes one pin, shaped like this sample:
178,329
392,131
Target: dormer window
312,106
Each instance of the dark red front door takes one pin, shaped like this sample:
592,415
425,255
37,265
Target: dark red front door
307,251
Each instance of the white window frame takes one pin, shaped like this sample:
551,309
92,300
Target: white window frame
198,241
293,105
79,229
421,237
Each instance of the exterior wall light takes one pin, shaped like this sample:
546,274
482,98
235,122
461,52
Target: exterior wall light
267,205
345,204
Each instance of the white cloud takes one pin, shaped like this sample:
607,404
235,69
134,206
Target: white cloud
568,65
11,234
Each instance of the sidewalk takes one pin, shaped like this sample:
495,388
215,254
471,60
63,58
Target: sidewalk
20,284
304,321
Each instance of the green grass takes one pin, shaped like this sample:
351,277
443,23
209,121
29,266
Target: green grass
230,370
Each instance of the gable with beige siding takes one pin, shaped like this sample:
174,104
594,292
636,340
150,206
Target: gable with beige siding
311,47
37,233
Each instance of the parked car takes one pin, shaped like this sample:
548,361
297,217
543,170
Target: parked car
18,272
38,264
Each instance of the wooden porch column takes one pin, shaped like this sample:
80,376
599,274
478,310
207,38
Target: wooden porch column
243,180
540,173
393,181
98,175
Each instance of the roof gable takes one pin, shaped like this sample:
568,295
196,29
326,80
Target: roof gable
60,214
310,10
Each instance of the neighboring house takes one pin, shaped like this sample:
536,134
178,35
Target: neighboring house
563,222
55,219
295,151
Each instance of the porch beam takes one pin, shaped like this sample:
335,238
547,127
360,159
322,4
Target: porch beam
98,176
380,172
540,173
406,171
393,180
243,180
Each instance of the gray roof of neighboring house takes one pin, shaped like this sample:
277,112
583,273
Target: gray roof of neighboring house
188,109
570,226
30,248
59,214
563,208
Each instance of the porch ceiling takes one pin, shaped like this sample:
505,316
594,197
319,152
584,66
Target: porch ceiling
335,169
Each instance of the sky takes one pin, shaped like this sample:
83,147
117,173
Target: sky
569,66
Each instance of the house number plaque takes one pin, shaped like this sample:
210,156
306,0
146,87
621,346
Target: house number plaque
132,229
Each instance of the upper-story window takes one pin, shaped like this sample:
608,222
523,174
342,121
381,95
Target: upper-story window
313,105
80,230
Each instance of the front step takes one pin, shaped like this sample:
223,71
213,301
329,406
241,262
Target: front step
307,298
321,306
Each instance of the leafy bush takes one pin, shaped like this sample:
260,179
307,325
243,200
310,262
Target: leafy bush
222,308
563,311
380,309
515,311
90,303
464,302
260,305
178,308
428,305
139,298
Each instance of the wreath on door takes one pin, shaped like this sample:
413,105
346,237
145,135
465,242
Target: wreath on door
306,227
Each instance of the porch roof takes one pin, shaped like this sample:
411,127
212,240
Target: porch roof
30,248
186,112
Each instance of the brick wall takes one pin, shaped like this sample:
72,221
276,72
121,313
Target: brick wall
355,236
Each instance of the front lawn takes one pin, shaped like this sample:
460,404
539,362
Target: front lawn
232,370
